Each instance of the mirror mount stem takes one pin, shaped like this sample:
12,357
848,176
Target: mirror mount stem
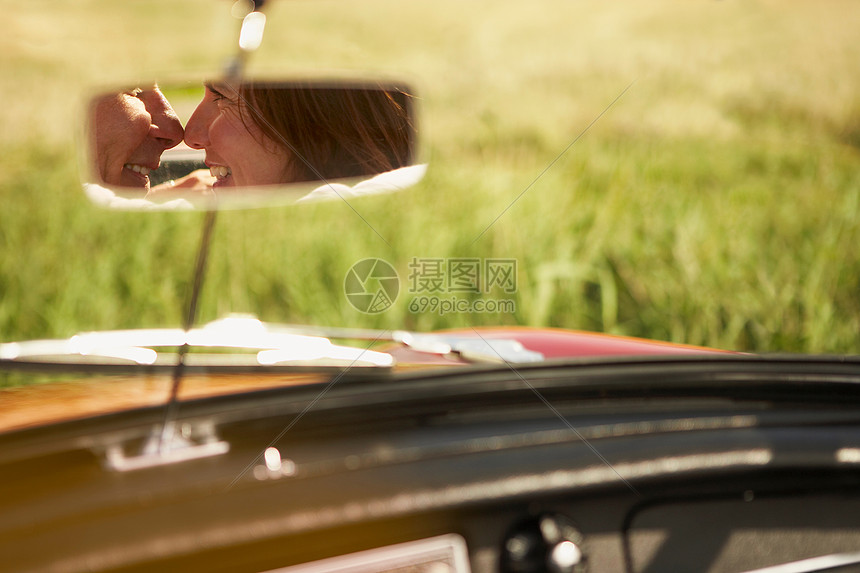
190,317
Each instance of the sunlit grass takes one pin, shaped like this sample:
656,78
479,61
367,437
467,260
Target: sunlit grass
716,202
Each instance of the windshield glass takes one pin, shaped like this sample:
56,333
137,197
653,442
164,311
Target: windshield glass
682,173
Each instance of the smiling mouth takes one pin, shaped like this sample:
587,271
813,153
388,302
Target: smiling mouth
135,175
138,168
221,173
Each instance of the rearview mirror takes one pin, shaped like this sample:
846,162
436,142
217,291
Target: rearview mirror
227,145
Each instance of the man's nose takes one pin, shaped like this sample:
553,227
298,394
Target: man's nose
168,130
165,127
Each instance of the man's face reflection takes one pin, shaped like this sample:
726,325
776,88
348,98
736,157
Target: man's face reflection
132,129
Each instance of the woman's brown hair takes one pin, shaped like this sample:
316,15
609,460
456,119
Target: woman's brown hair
337,131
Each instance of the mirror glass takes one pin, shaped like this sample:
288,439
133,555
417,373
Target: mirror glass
227,144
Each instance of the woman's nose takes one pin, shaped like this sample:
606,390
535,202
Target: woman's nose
197,129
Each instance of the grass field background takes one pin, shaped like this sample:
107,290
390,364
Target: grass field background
716,202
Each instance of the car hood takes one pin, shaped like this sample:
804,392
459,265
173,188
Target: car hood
92,395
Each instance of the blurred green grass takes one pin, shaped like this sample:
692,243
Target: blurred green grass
716,203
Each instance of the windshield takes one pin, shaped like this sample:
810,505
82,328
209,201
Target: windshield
682,173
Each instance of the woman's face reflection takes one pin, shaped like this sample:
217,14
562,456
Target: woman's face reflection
237,152
132,129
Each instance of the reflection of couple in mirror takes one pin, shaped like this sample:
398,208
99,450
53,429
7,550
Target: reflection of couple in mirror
254,134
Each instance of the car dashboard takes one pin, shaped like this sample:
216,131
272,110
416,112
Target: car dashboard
713,465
